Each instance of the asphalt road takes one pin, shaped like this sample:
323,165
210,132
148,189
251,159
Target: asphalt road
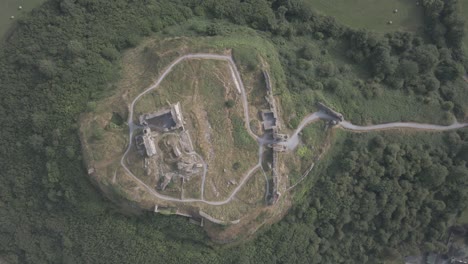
294,139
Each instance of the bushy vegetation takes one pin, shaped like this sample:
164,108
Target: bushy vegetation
352,67
245,57
66,55
380,198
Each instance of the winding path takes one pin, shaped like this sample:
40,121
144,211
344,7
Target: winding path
455,125
240,88
294,140
291,143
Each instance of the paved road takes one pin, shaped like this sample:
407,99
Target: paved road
294,139
239,86
349,126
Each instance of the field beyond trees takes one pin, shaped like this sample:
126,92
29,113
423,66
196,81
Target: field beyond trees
464,10
10,8
374,14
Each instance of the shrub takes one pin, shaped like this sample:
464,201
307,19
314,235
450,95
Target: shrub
327,69
334,84
230,103
309,52
245,57
303,152
447,105
236,165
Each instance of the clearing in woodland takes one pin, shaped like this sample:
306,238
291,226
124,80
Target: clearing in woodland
11,8
405,15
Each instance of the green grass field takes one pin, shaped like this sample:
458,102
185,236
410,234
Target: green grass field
464,10
391,106
10,8
463,219
373,14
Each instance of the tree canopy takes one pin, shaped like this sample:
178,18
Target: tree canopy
379,199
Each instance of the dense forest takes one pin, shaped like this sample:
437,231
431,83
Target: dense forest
388,195
381,198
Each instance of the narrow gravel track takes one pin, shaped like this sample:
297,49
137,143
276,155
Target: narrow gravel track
239,86
291,144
